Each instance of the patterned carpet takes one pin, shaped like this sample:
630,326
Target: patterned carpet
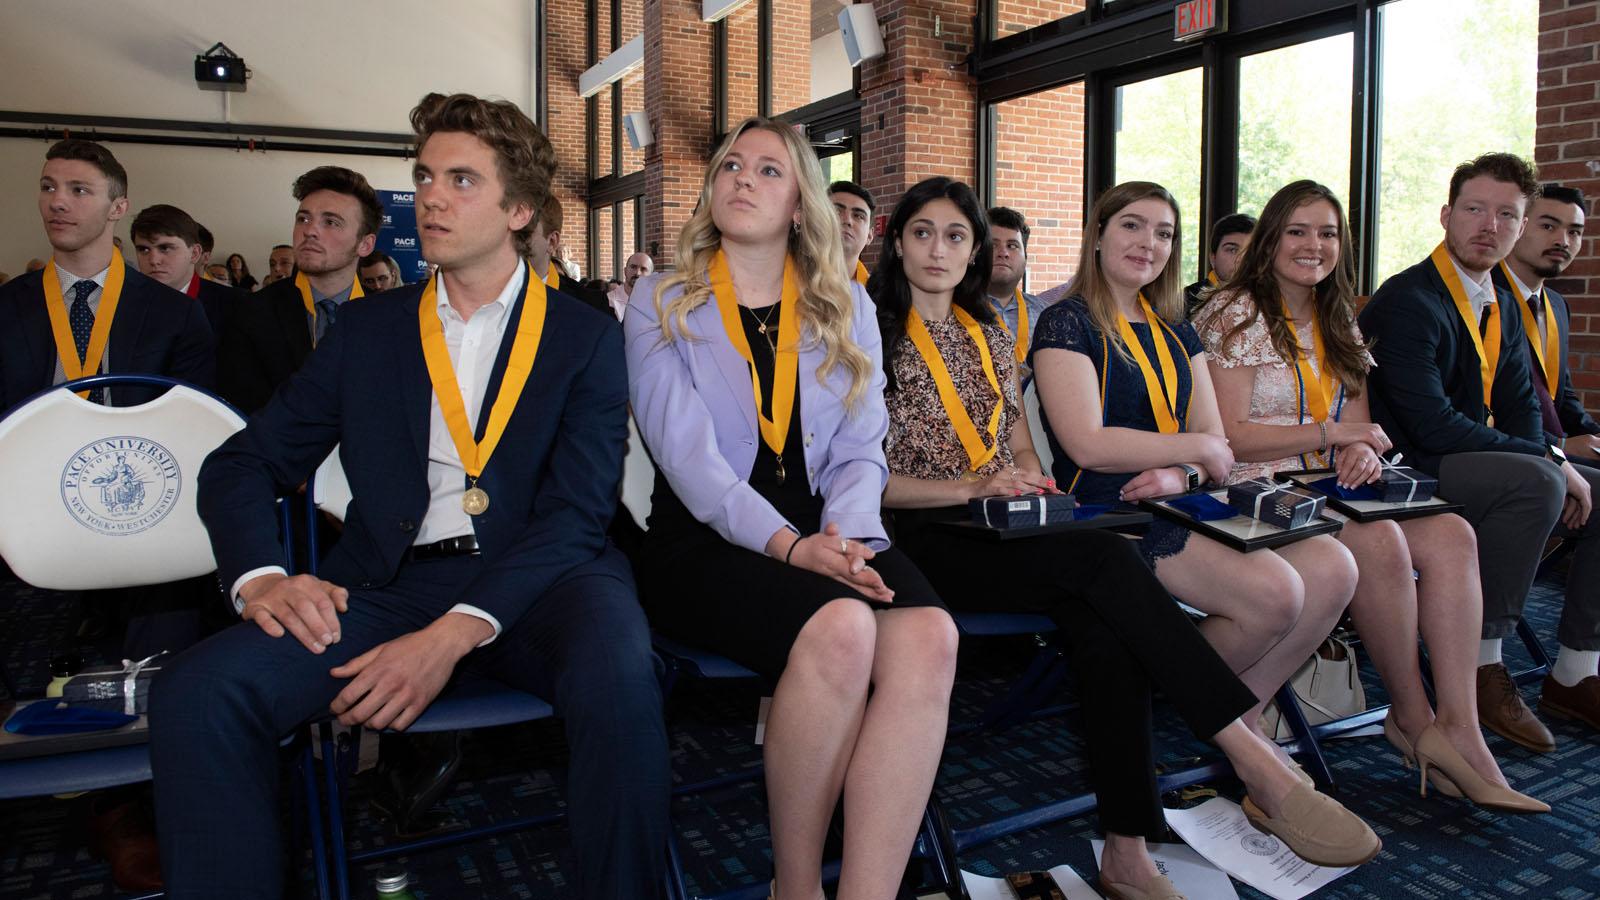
1433,848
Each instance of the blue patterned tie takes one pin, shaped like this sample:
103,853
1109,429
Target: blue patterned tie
81,318
327,311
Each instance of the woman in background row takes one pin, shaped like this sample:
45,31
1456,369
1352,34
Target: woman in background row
755,383
1290,370
239,273
955,433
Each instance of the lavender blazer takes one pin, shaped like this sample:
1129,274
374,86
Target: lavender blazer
694,407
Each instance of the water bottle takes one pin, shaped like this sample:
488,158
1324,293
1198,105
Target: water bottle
394,884
62,668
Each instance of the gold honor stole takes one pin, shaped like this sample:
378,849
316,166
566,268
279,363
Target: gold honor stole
1211,276
56,305
978,452
304,284
1162,392
1487,361
1546,347
552,276
1020,342
1317,389
524,349
861,274
786,353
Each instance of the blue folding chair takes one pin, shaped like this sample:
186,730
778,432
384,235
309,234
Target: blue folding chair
110,500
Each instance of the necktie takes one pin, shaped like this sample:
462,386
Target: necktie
1547,406
81,318
327,311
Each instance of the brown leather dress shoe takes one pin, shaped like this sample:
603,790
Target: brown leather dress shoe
1501,710
1581,701
120,831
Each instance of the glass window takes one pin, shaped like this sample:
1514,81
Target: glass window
830,68
604,263
1294,120
742,78
1012,16
1453,87
629,245
1038,163
839,165
601,129
632,102
1158,124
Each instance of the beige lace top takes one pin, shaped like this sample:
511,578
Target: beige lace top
1275,397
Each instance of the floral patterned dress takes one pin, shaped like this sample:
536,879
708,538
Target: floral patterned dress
922,443
1275,398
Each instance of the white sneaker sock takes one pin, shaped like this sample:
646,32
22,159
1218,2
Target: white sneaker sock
1488,651
1573,666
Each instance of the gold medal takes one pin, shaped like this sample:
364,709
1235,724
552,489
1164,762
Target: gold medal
780,473
475,501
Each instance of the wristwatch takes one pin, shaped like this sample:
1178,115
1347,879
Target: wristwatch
1191,477
1557,455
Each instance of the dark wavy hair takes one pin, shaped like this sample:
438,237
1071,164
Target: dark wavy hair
889,287
523,155
1333,299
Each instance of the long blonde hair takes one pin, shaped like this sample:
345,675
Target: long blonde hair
826,303
1165,293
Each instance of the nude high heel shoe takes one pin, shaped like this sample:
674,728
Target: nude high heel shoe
1408,758
1434,750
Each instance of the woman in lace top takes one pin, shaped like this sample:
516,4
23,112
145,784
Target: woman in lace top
1124,633
1290,371
1099,357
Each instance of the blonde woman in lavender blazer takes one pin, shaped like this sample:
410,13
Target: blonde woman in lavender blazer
765,542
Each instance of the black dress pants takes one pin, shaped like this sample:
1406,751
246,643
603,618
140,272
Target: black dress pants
1124,633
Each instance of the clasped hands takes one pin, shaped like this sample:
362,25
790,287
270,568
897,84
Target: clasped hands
829,553
390,684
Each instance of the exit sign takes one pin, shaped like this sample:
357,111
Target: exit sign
1197,18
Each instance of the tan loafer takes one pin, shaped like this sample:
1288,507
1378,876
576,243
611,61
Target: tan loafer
1159,888
1317,828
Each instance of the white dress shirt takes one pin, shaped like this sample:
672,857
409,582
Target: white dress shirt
473,345
1479,293
67,281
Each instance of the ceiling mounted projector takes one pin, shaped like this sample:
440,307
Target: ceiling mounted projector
220,69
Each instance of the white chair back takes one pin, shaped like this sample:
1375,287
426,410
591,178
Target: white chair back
99,497
1036,425
638,476
330,488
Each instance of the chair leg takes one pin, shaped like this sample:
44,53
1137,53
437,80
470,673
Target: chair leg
942,848
1541,659
319,849
332,766
1289,708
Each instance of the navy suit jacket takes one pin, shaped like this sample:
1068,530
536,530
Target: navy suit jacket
1569,409
157,331
594,299
1427,392
552,481
264,341
219,301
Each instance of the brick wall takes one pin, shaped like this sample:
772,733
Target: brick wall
744,39
1567,143
917,100
677,97
791,54
566,27
1012,16
1039,172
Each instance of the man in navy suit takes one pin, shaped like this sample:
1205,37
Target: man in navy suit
268,337
1453,390
478,550
167,245
83,192
1554,233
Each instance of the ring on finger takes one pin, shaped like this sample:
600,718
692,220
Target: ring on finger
844,546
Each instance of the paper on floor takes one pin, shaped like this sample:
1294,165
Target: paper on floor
1194,876
1218,830
1071,884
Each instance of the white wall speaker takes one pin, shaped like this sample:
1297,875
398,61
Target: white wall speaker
862,38
637,126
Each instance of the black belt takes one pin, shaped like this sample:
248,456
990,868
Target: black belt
465,545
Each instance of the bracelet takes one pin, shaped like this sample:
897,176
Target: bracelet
790,554
1322,429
